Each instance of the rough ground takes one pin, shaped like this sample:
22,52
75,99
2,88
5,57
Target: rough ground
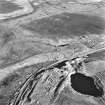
35,34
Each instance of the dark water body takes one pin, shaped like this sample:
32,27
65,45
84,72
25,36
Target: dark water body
67,24
7,7
86,85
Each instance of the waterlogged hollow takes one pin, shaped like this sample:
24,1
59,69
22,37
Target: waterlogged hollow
7,7
67,25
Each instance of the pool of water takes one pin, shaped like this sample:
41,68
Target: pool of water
8,7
